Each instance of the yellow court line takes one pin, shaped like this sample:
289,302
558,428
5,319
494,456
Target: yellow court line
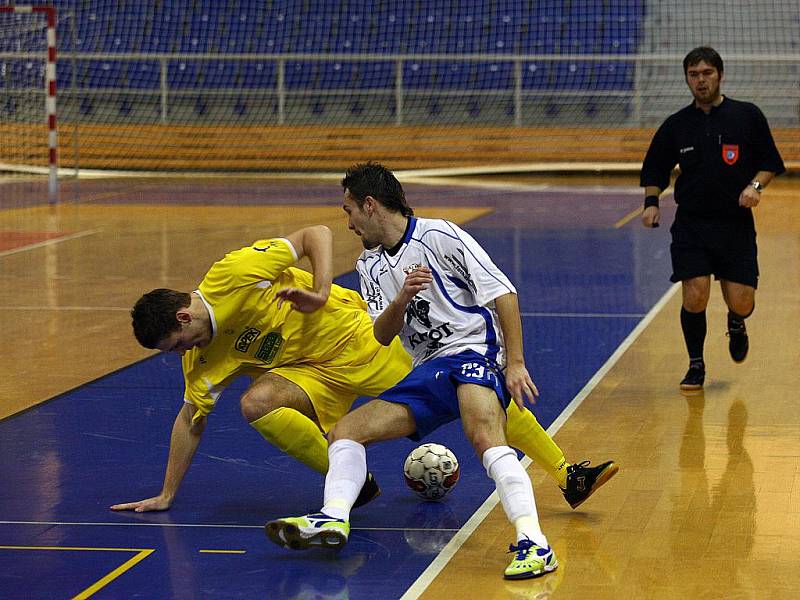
90,591
222,551
631,215
113,575
637,211
73,548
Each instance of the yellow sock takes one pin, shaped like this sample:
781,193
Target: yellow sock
524,432
296,435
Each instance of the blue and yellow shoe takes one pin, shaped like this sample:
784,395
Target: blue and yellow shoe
316,530
530,560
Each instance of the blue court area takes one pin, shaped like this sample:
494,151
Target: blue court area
584,286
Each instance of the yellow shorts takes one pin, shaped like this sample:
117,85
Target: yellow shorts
363,368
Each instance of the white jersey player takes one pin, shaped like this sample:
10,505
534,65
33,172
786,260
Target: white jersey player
431,284
457,312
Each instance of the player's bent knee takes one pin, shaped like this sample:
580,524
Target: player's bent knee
340,432
743,308
255,403
481,441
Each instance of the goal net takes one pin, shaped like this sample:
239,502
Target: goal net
314,85
28,140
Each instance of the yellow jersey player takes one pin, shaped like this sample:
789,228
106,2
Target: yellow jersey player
306,343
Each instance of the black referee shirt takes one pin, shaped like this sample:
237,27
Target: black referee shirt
719,154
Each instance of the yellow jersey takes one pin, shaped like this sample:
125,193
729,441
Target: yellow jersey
250,333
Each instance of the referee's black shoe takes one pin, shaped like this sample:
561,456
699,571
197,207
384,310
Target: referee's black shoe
738,344
695,376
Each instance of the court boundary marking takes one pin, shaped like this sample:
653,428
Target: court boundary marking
201,525
440,562
49,242
141,554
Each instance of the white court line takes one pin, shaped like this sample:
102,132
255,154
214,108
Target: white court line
50,242
205,525
524,314
584,315
429,574
525,187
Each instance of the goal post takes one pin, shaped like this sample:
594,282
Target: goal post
28,114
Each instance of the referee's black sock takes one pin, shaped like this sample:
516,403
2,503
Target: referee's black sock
736,320
694,333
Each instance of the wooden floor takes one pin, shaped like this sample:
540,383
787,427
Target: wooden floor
707,502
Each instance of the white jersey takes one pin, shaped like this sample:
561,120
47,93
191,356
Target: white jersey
457,312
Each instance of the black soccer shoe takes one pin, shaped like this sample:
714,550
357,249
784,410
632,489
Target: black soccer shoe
738,344
583,480
369,491
695,377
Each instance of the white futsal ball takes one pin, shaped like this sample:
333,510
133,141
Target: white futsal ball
431,471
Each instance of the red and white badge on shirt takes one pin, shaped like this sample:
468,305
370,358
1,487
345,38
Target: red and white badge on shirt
730,153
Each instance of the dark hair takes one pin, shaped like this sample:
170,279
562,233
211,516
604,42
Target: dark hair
703,53
154,315
373,179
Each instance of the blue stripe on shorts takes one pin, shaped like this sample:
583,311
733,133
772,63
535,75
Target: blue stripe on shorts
430,389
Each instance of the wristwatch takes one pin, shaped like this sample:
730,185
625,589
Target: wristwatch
757,186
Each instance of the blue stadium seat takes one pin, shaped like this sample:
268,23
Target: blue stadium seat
616,75
259,74
466,30
183,74
301,75
22,73
456,74
86,41
165,30
278,32
424,26
145,74
337,74
316,35
196,39
572,75
541,32
388,32
377,75
582,27
63,74
420,74
427,32
622,27
350,36
504,30
220,74
492,76
536,75
102,73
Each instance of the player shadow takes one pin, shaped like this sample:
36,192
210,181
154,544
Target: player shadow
699,514
325,576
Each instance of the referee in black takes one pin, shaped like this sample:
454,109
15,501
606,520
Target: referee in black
727,157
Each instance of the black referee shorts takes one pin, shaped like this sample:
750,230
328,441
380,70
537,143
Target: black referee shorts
725,248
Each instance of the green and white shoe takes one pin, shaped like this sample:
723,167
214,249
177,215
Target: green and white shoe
316,530
530,560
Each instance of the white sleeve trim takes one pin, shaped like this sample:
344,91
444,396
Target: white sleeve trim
291,247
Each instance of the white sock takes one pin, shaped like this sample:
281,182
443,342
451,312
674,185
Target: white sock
346,476
515,491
